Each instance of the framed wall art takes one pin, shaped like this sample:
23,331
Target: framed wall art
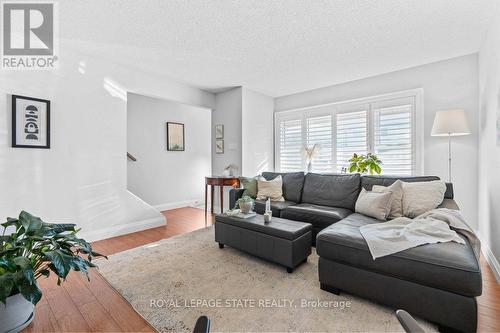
175,137
30,122
219,131
219,146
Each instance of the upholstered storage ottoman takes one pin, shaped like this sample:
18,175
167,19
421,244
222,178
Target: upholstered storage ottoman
281,241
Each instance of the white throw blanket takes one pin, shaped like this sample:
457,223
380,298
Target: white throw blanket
436,226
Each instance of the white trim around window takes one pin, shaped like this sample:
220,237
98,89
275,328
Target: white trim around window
390,125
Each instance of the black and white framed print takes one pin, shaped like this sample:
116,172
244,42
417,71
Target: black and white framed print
30,122
219,146
219,131
175,137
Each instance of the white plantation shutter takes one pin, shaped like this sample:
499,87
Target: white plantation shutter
393,136
352,136
290,144
319,131
389,126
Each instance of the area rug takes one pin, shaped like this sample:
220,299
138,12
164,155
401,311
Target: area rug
174,281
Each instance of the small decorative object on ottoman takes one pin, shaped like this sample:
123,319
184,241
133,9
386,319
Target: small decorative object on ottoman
245,204
282,241
268,215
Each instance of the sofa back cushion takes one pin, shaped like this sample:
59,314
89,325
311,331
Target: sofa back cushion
368,181
421,197
293,183
270,189
334,190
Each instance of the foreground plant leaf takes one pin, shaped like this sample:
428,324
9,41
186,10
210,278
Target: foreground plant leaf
36,248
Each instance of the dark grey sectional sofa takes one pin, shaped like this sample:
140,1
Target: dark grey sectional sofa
439,282
323,199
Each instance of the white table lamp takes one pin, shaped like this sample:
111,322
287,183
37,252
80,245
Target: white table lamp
450,123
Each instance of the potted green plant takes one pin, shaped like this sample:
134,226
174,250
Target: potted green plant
245,203
368,163
35,249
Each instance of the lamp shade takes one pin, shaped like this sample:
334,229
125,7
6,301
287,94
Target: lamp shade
450,122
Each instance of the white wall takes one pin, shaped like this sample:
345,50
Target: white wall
489,146
227,112
447,84
257,133
167,179
247,117
82,178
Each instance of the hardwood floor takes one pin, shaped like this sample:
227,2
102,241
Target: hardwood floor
489,302
82,306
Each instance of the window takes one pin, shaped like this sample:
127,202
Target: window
352,136
319,131
393,141
386,125
290,143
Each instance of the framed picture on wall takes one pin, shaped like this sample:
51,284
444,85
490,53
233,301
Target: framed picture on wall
30,122
219,131
219,146
175,136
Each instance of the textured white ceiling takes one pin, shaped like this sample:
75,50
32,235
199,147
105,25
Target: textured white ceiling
276,47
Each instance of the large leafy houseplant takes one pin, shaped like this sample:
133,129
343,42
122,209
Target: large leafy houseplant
35,249
368,163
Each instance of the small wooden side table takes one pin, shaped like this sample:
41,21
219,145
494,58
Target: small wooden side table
221,182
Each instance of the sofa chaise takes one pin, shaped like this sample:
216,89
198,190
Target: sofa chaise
438,282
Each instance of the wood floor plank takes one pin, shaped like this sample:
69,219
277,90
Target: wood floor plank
77,287
49,322
81,306
66,313
98,318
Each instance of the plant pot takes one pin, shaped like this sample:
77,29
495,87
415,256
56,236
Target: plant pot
15,314
246,207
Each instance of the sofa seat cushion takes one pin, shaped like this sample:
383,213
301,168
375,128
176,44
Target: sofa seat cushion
276,206
318,216
448,266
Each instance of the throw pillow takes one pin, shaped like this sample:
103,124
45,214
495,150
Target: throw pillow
272,189
374,204
397,197
421,197
250,186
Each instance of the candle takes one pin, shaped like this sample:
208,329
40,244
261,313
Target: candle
267,217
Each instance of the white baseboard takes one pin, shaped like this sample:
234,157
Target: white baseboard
200,204
180,204
118,230
492,261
